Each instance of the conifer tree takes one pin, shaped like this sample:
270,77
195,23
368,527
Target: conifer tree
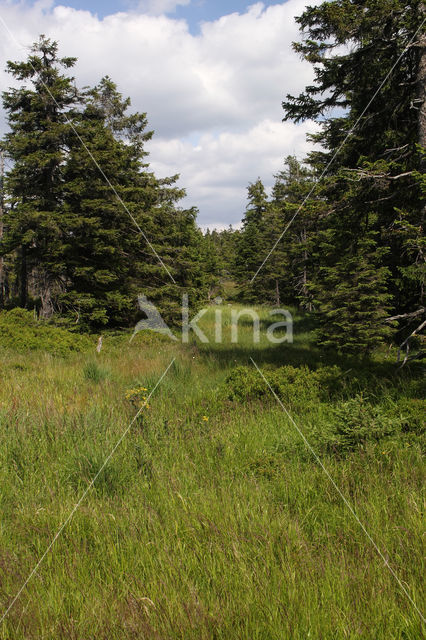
38,117
372,186
212,263
92,226
290,263
124,232
251,243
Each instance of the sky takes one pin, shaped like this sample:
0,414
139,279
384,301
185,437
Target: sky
210,74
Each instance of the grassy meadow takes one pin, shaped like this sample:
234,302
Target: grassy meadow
212,520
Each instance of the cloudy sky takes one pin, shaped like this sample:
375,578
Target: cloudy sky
211,75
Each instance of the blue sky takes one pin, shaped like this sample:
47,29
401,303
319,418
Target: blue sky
194,12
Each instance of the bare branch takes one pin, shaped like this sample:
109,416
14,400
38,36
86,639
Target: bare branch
419,312
406,343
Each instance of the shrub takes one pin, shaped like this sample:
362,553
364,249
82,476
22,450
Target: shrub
412,413
21,331
291,384
245,383
94,373
356,422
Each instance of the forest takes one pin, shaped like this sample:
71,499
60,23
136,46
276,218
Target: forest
165,488
81,245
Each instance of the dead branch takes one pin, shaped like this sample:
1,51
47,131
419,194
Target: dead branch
407,344
362,174
413,314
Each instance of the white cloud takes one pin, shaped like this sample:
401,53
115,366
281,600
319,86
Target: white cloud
217,169
213,99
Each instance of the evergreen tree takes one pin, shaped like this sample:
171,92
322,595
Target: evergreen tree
39,133
251,243
114,255
372,186
352,318
212,263
226,246
93,227
290,263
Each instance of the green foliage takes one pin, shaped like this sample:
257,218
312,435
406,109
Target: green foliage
244,385
89,227
226,489
356,422
111,481
21,331
251,242
40,131
294,385
287,272
364,408
368,250
352,319
412,412
94,373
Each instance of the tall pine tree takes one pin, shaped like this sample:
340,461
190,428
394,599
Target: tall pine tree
38,117
371,186
91,227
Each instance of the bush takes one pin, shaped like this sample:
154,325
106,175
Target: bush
412,413
293,385
93,372
21,331
355,422
245,383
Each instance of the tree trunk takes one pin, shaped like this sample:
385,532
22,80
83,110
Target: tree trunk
47,308
421,100
1,228
23,282
277,293
421,86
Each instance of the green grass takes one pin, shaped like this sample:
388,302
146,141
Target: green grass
197,528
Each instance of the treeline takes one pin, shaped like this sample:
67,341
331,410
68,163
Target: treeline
354,247
85,225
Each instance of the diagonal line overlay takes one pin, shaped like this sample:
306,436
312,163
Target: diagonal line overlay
95,162
351,132
84,494
341,494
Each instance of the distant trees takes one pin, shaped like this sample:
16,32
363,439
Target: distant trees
286,274
353,212
78,194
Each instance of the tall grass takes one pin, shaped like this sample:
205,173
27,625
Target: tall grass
211,520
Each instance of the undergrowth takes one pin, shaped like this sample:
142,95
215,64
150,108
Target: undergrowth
212,519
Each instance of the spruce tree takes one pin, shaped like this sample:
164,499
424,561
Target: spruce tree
132,238
290,263
38,116
89,225
251,244
370,158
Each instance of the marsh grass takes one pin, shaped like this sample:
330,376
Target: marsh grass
211,520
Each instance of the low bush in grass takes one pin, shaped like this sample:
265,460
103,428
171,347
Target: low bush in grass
94,373
21,331
293,385
356,422
346,422
412,412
